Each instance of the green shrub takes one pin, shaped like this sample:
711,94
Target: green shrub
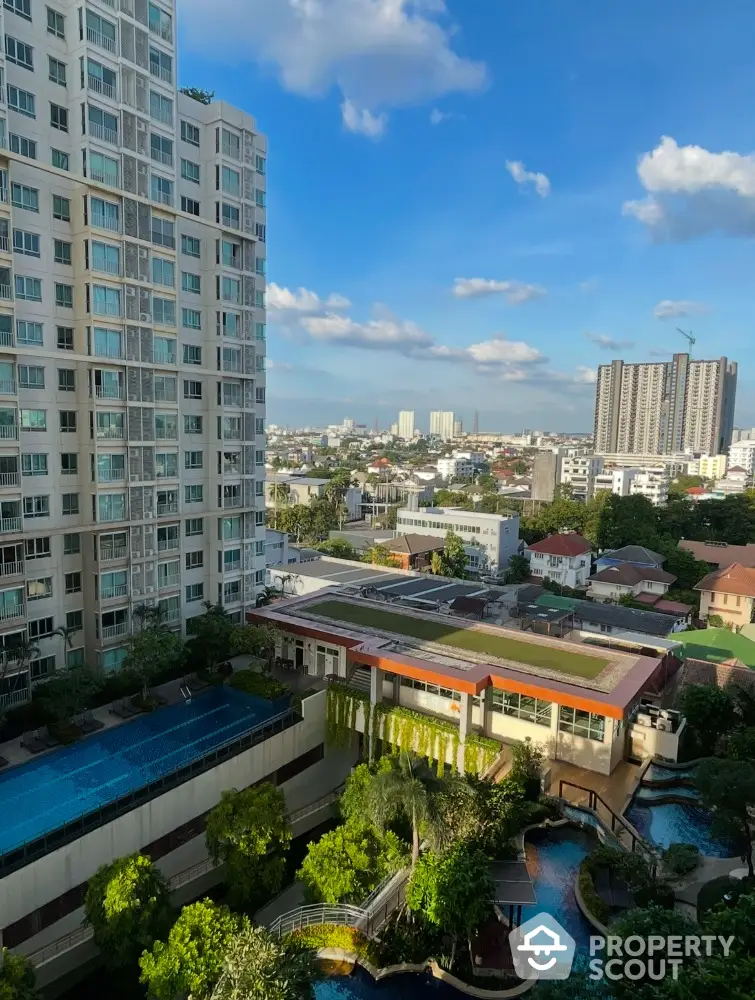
335,936
258,685
590,897
681,859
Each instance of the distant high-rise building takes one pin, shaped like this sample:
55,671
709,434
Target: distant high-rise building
406,424
442,424
476,426
665,407
458,428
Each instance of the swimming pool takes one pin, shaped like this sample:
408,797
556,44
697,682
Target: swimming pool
678,823
43,795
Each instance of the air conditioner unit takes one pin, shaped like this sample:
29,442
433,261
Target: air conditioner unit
145,317
149,590
149,552
149,513
665,725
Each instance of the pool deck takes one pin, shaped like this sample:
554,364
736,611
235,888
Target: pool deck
614,789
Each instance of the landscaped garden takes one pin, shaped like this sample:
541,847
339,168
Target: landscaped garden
534,654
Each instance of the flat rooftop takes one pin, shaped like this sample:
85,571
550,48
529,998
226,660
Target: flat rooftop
45,794
465,655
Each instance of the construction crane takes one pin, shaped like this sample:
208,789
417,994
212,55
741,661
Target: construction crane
692,340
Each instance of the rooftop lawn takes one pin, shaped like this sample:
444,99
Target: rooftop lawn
531,653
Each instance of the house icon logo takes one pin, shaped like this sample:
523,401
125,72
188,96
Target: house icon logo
542,949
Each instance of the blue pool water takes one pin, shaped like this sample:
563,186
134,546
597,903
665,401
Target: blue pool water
362,986
658,772
678,823
553,859
680,791
42,795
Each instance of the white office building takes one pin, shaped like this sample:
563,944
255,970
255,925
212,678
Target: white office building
442,424
405,426
132,335
490,540
742,456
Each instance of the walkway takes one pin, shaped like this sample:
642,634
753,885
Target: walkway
614,789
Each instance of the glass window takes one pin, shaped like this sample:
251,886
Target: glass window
163,272
192,424
20,7
105,215
28,333
56,23
166,426
103,169
191,319
160,23
61,252
189,133
24,197
23,146
100,31
58,117
166,465
580,723
194,526
68,421
26,243
60,160
107,343
163,232
192,389
160,107
191,283
193,494
31,376
191,246
194,592
66,380
190,171
57,71
61,208
28,288
19,53
70,502
37,548
64,335
105,258
111,507
192,354
71,545
259,164
161,189
164,350
163,311
37,590
189,205
231,182
63,295
193,460
160,65
231,216
231,290
106,301
231,144
33,464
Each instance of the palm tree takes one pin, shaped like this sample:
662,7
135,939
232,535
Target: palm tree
66,634
409,789
259,966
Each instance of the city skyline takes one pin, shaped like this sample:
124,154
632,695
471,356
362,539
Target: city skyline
572,230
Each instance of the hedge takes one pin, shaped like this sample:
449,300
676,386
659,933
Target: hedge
319,936
251,682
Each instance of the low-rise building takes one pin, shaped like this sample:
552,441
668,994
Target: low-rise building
278,551
628,580
652,483
563,558
741,455
490,540
579,472
413,551
302,489
714,466
637,555
720,554
736,480
728,592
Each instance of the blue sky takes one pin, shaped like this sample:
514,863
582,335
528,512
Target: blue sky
472,204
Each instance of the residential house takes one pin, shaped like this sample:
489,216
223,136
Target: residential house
563,558
720,554
413,551
637,555
627,580
729,593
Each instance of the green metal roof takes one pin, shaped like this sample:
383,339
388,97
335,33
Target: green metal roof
555,601
716,645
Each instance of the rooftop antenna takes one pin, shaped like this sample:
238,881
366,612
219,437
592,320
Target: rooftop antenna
692,340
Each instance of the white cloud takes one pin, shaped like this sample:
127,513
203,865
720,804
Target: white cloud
693,191
678,309
379,54
378,334
500,351
608,343
302,300
523,176
515,292
362,121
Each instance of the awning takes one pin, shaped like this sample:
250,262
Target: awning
513,885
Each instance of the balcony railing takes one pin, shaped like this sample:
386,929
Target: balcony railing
111,554
167,508
104,134
111,475
165,397
10,525
109,352
11,568
168,545
8,611
7,387
103,178
231,502
14,698
4,244
102,221
163,197
111,631
101,87
161,73
104,41
164,358
109,391
166,473
6,338
168,581
9,479
4,190
107,266
106,309
6,292
111,433
172,615
9,431
170,434
120,590
231,434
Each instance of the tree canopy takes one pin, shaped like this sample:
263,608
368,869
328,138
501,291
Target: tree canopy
190,961
259,966
250,832
150,651
452,561
127,905
709,712
727,787
17,977
346,864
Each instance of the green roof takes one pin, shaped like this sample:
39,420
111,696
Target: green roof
556,601
716,645
552,657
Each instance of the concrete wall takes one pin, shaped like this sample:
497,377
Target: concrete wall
650,742
34,885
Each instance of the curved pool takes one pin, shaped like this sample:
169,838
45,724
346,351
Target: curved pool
678,823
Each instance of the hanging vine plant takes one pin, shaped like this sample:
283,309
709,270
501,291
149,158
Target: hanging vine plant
342,706
479,753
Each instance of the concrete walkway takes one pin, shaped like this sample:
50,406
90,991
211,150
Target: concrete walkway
708,869
290,899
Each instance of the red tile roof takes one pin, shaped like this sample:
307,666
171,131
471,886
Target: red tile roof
570,544
733,579
696,491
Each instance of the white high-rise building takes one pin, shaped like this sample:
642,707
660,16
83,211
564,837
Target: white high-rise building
663,408
406,424
132,335
442,424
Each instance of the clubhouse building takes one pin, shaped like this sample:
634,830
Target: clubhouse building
586,705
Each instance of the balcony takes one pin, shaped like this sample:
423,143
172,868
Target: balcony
102,221
9,432
168,545
161,73
10,611
169,581
111,475
231,434
230,502
4,244
172,615
108,593
10,525
108,391
113,631
103,41
100,87
167,508
111,554
6,292
162,197
7,387
109,433
106,309
104,134
107,266
102,178
7,339
165,397
165,358
4,197
160,156
11,569
9,479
